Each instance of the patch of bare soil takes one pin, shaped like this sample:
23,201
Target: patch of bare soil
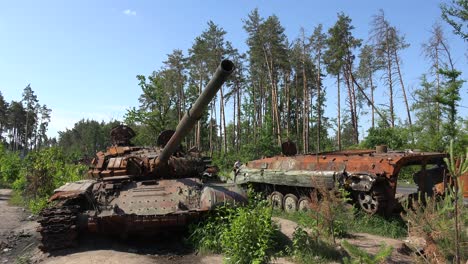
17,231
369,243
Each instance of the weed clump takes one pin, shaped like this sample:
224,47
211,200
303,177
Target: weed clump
311,249
359,256
242,234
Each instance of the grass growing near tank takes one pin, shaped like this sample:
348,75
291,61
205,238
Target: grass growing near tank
243,234
393,227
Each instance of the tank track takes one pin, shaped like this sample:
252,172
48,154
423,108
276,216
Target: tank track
58,227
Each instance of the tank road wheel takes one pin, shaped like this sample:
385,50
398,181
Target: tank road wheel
368,202
304,204
276,200
290,203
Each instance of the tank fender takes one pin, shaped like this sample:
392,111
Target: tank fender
214,195
72,190
361,181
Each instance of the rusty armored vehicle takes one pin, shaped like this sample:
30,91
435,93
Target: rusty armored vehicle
291,180
140,190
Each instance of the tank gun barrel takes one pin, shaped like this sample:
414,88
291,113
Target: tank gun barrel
196,111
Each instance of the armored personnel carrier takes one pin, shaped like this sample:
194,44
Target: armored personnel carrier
291,180
140,190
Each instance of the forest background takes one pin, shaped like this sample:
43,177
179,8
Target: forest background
280,91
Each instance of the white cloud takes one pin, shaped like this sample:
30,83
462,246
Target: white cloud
129,12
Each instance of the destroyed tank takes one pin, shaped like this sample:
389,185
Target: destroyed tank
140,190
293,182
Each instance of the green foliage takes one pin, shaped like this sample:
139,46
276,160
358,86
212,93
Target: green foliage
449,97
434,221
42,172
456,15
86,138
347,223
330,219
359,256
10,166
394,138
206,236
393,227
441,220
406,173
249,236
306,249
242,234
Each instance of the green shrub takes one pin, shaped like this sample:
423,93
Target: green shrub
206,235
242,234
249,237
41,173
10,166
306,249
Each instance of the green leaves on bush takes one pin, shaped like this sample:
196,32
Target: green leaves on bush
249,237
37,175
242,234
10,166
307,249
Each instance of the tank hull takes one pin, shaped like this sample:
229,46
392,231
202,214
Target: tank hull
371,177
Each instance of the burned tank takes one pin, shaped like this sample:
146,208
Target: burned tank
293,182
140,190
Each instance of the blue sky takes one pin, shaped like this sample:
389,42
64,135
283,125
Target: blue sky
81,57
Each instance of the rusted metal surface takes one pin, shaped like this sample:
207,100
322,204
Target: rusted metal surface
464,181
141,189
121,135
371,176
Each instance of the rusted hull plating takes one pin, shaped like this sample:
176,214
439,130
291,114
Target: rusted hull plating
360,170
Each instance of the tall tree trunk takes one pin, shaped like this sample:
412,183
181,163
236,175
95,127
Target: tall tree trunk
369,100
372,98
390,83
356,124
239,103
288,111
351,102
305,113
274,99
397,61
297,105
256,112
339,112
319,104
277,116
438,90
223,120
